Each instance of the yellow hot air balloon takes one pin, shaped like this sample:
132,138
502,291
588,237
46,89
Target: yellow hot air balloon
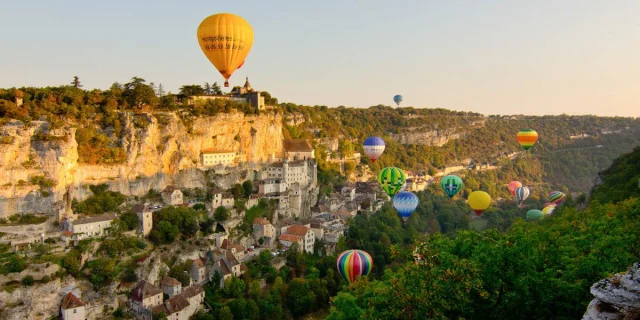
479,201
226,40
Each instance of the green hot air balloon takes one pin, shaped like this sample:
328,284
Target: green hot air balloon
451,184
535,214
391,180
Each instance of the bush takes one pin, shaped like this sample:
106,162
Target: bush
27,280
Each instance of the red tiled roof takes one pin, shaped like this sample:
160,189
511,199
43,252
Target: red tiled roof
70,301
192,291
297,145
176,303
226,244
198,263
290,237
168,281
298,230
238,247
261,221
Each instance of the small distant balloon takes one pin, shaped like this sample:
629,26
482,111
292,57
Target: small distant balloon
373,148
557,197
535,214
451,185
479,201
513,185
354,263
548,209
522,194
527,138
405,203
397,99
391,180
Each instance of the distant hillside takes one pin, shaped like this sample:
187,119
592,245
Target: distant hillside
571,149
621,181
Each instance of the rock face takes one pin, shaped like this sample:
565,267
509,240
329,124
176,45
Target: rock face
617,297
436,138
164,152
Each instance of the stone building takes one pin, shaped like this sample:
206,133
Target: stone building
72,308
213,157
171,286
172,196
298,149
301,234
145,217
90,227
244,94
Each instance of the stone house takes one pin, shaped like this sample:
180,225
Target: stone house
304,232
224,199
236,250
145,217
227,266
171,286
262,228
253,201
143,298
91,227
172,196
198,272
72,308
298,149
287,240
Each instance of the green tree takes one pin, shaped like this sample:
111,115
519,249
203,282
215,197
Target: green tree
344,307
238,191
225,314
130,219
137,93
27,280
300,298
221,214
76,82
248,188
192,90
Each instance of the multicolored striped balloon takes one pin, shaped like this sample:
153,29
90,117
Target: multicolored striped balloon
522,194
451,184
373,148
513,185
354,263
547,210
405,203
391,179
556,197
527,138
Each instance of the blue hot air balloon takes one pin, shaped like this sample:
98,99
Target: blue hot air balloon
373,148
397,99
405,203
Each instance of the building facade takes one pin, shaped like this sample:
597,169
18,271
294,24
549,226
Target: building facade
145,218
91,227
172,196
213,157
72,308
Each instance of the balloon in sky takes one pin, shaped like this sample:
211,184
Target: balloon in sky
391,179
397,99
226,40
527,138
405,203
535,214
556,197
513,185
547,210
354,263
479,201
373,148
522,194
451,184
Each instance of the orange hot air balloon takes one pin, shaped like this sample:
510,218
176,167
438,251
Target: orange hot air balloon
225,39
513,185
242,64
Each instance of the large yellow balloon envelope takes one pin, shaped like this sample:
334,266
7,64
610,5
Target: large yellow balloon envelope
479,201
226,40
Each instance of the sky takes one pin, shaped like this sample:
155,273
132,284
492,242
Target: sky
535,57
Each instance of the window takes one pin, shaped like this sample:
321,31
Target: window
75,310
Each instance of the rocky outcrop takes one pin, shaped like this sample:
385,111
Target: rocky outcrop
616,298
164,152
429,138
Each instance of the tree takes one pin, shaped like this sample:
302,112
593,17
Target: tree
221,214
160,90
137,93
344,307
215,88
181,274
207,88
130,219
238,191
300,298
225,314
248,188
76,82
27,280
191,90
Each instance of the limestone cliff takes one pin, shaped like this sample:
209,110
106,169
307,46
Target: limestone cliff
617,297
164,152
436,138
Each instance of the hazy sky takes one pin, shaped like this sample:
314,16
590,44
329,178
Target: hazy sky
492,57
